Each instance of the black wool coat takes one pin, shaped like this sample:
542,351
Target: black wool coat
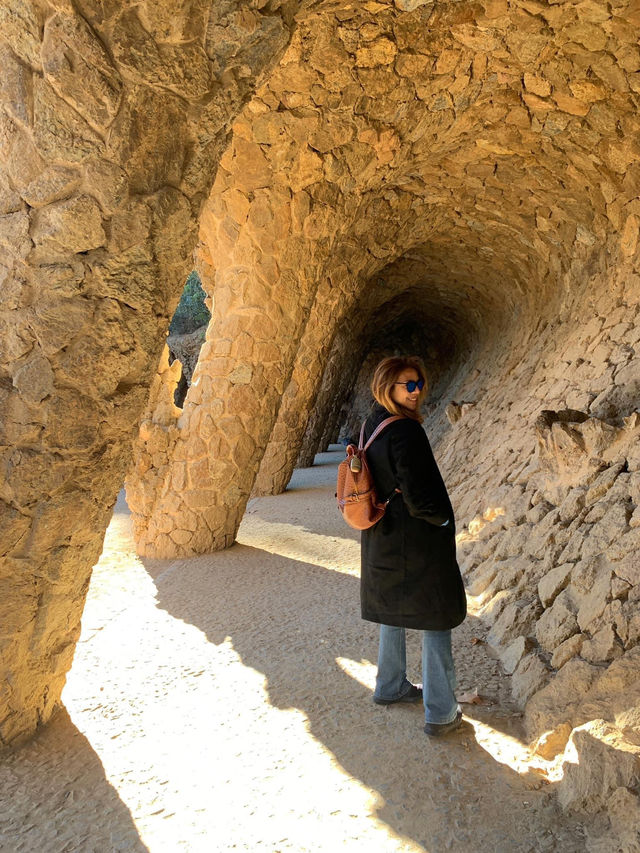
409,573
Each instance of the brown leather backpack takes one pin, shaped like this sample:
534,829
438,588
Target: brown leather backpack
356,494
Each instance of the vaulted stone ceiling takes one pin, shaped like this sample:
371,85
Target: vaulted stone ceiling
468,168
497,143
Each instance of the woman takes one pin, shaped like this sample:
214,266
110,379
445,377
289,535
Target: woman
410,577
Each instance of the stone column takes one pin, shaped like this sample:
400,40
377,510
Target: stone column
298,401
111,127
336,384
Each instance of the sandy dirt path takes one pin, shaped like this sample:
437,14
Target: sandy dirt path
223,703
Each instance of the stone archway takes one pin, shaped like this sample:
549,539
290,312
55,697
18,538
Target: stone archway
113,120
478,168
503,138
373,136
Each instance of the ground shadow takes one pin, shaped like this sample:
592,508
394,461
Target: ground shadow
295,622
55,798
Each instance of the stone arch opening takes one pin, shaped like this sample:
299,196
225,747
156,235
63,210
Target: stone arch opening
476,165
335,169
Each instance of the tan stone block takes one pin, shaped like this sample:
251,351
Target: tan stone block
21,24
553,742
241,400
34,379
595,601
382,51
495,8
198,499
266,353
518,117
570,105
214,517
77,66
307,169
587,34
553,583
181,537
513,654
603,646
198,474
474,38
194,446
587,91
14,234
567,650
59,132
13,527
600,761
537,85
178,476
630,234
415,65
69,226
561,697
558,623
237,204
183,68
528,679
243,452
536,104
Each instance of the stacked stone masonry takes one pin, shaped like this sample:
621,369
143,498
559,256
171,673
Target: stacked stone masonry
113,117
463,178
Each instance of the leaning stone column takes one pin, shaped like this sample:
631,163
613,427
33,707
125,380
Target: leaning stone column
111,127
283,449
212,457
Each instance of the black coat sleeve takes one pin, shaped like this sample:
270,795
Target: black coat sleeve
419,479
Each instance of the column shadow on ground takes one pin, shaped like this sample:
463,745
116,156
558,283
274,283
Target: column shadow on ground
55,797
293,621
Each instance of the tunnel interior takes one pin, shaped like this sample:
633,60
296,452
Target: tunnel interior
456,179
468,183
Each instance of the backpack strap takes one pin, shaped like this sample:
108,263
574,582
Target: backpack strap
385,423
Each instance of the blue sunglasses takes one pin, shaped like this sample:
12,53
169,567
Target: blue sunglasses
412,385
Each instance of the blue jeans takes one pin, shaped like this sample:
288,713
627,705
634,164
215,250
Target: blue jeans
438,672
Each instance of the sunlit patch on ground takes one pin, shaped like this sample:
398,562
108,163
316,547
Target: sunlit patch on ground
224,703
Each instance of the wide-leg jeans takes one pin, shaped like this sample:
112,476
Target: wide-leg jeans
438,672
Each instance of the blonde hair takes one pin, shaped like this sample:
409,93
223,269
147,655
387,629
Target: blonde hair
385,377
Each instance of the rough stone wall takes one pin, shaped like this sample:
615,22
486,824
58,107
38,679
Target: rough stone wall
363,137
548,505
113,117
493,146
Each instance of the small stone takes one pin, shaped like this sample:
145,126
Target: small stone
537,85
567,650
553,583
514,653
383,51
553,742
557,623
603,646
623,809
529,677
630,234
572,504
595,602
570,105
34,379
516,618
603,483
69,226
560,698
599,761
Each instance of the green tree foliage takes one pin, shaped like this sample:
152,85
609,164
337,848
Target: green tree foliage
191,312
